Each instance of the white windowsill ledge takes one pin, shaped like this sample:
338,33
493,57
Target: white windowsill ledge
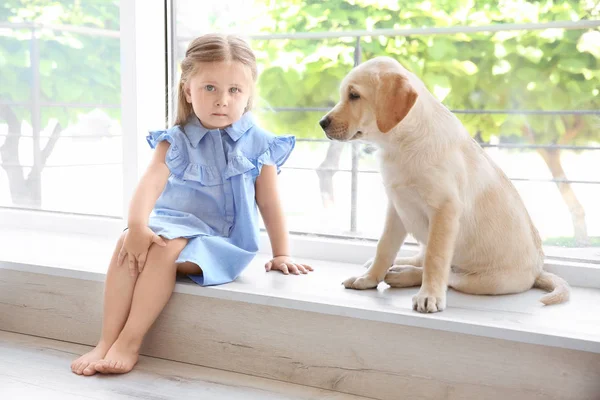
574,325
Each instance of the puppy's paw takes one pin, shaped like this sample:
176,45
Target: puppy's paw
397,269
428,301
362,282
401,276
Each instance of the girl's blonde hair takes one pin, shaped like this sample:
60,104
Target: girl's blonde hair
212,47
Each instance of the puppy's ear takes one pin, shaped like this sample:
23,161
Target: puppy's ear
395,98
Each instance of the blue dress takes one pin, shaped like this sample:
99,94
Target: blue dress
209,197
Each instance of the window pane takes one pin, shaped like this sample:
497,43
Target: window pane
60,135
529,96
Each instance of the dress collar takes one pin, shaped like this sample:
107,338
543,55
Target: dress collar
195,131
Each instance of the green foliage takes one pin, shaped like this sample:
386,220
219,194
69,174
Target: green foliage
539,70
568,241
73,68
553,69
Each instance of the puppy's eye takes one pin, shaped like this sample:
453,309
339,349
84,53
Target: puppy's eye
353,96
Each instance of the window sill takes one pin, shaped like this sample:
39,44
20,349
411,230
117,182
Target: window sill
521,318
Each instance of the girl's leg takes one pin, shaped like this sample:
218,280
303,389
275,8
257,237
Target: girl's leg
152,291
188,268
118,291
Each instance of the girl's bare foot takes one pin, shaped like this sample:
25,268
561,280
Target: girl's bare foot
84,365
120,359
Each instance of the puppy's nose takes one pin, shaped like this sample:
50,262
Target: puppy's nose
324,122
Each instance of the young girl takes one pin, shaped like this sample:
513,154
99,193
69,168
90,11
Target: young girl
195,208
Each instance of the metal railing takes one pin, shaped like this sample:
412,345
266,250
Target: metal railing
442,30
36,102
358,35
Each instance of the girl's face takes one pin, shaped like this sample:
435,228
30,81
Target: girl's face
219,92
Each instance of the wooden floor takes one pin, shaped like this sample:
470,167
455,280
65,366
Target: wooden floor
37,368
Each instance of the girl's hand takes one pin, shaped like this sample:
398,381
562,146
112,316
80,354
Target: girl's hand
135,247
286,265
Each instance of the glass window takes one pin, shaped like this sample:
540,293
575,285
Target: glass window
60,89
527,90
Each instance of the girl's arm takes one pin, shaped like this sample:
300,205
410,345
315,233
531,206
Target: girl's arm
149,188
139,236
269,205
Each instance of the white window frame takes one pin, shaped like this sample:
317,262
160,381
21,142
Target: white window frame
143,84
143,87
145,29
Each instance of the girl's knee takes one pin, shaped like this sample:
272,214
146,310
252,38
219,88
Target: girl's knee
122,238
172,245
120,242
177,243
170,252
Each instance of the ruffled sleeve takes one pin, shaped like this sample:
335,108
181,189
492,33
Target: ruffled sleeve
177,157
277,153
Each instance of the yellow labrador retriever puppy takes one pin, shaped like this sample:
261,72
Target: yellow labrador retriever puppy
475,233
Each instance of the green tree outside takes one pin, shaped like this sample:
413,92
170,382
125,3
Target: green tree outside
553,69
73,69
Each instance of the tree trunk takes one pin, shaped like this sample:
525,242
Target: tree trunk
552,159
10,158
326,170
23,191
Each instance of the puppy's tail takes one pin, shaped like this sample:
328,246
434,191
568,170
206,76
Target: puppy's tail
559,288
